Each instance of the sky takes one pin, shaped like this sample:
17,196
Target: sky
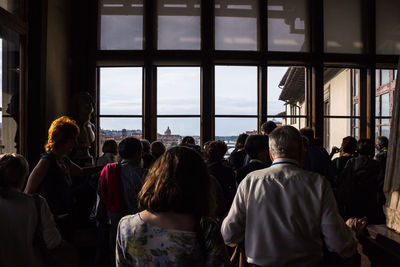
178,93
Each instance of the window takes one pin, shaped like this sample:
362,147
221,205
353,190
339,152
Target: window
121,25
387,27
120,103
288,26
215,69
287,95
178,24
178,104
384,102
235,101
342,116
236,24
10,88
342,26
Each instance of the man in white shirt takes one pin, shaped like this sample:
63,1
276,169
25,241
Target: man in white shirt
283,213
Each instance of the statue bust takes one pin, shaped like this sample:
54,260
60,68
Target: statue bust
83,107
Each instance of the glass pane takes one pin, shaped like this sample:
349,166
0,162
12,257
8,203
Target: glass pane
336,130
356,110
178,91
377,106
235,90
356,82
385,131
119,128
9,84
377,78
387,27
121,91
385,76
12,6
298,123
236,25
385,128
286,91
178,24
228,129
170,131
342,26
288,26
385,105
337,92
121,25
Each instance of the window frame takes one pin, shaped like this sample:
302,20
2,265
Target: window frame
207,58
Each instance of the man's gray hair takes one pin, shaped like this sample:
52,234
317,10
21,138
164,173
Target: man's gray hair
285,141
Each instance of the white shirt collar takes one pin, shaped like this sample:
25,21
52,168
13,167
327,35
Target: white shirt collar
285,160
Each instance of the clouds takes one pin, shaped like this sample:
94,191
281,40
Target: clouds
178,93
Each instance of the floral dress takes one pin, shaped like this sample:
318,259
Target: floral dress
142,244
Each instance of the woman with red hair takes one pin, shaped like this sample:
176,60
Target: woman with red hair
51,177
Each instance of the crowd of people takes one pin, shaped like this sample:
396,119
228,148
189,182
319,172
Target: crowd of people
279,199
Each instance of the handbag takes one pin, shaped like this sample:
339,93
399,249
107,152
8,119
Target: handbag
62,255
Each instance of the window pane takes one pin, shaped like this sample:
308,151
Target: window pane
387,27
9,85
385,76
336,130
377,106
337,92
356,82
178,91
12,6
235,90
385,131
377,78
170,131
298,123
178,24
342,26
121,25
356,110
228,129
385,105
119,128
236,25
286,91
121,91
288,26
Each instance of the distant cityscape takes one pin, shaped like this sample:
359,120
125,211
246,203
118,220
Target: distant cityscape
168,138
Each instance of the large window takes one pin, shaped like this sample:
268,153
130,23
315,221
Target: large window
121,25
215,69
120,103
341,105
178,24
384,101
178,104
287,96
235,101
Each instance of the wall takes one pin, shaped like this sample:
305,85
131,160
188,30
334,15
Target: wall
58,60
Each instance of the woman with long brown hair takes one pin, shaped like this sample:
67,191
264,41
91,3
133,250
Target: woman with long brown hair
175,201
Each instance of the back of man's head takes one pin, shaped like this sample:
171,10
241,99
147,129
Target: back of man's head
286,142
382,142
130,148
366,147
267,127
309,133
255,144
145,145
